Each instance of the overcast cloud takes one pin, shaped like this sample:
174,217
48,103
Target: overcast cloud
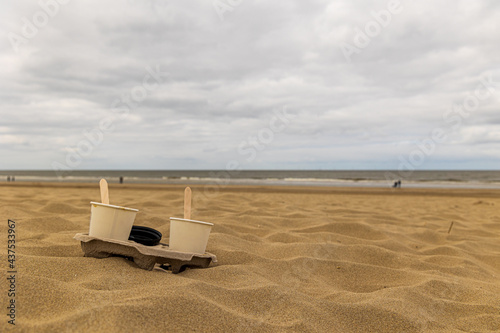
223,71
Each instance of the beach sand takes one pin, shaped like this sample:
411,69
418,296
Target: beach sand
289,259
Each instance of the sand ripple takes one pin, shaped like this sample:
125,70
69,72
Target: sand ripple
301,260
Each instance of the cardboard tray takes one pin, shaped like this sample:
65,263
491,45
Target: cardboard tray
146,257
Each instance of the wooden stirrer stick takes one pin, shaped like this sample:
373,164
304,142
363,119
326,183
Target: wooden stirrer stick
103,184
187,203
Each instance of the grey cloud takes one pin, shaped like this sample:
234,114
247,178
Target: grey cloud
226,77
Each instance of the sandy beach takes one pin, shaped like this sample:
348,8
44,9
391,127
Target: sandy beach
298,259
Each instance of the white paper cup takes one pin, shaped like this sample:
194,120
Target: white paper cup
108,221
189,235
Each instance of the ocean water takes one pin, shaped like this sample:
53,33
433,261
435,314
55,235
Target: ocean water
375,178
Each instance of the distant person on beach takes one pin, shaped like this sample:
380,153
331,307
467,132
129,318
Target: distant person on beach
13,178
8,178
395,184
399,183
121,180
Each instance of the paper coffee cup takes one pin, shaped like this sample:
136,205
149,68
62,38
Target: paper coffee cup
108,221
189,235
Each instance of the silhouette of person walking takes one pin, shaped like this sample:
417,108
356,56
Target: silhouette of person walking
397,184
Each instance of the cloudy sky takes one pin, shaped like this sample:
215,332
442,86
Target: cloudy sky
255,84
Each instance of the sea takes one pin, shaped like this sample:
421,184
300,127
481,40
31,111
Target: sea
349,178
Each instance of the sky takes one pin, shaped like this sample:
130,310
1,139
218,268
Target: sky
250,84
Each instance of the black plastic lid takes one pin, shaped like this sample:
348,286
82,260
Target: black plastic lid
144,235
